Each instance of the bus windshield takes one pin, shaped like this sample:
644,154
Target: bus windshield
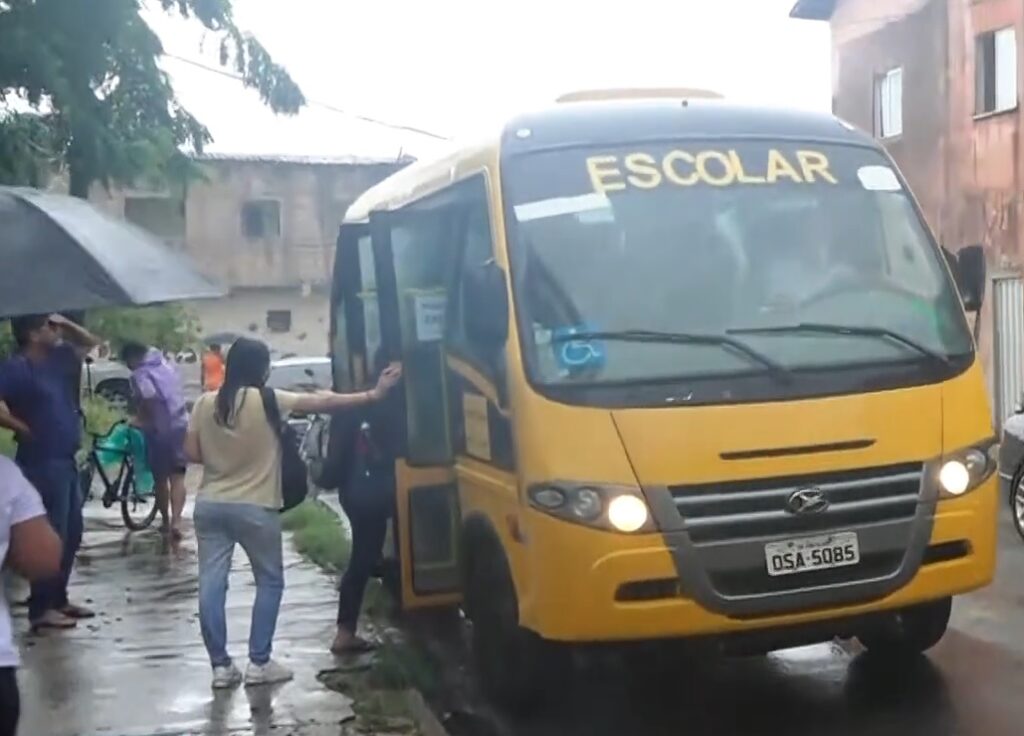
707,259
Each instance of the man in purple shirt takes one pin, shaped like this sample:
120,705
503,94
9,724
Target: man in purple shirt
40,406
160,401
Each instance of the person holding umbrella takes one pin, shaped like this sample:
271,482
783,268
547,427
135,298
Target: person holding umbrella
39,406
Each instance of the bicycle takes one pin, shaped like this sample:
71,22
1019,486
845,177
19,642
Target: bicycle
120,487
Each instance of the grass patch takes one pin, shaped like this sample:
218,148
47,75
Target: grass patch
379,690
318,535
400,666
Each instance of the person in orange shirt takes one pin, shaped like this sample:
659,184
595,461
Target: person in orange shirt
213,368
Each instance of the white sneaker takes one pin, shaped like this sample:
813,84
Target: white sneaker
226,677
267,674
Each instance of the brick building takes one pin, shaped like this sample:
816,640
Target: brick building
937,82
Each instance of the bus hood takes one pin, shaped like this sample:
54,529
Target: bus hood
715,443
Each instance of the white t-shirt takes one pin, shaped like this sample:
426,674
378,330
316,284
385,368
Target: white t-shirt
19,502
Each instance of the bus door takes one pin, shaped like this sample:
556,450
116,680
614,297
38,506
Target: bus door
412,271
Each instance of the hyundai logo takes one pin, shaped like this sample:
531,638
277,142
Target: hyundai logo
807,501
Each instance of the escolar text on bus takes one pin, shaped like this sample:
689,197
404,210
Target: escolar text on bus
678,167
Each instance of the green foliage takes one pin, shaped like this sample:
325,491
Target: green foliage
100,415
28,151
167,326
104,107
403,665
318,535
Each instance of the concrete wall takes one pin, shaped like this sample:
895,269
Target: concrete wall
312,200
244,312
286,271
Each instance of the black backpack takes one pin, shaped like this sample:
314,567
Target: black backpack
294,482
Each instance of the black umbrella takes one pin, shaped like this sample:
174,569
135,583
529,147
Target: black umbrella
60,253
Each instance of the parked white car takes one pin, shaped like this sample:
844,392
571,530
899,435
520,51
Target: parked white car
300,374
111,379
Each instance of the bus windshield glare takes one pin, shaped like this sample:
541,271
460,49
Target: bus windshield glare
711,259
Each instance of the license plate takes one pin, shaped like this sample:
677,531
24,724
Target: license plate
808,554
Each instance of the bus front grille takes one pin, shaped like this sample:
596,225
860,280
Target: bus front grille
728,524
758,508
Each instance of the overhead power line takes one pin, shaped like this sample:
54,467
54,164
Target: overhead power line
315,103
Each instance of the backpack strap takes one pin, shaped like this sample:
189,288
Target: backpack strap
271,410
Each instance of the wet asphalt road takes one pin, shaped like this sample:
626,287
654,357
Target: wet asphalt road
140,669
972,684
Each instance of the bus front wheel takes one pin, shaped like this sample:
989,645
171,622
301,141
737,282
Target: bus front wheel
910,631
517,669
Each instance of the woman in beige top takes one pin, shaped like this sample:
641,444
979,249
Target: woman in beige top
240,497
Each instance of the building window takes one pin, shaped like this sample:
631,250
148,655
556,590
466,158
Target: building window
162,216
889,104
996,71
261,218
279,320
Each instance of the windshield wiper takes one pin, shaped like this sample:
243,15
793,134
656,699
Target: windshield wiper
811,328
682,338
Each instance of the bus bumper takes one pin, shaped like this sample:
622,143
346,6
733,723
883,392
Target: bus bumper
581,594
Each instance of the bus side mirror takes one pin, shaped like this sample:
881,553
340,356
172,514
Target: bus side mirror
485,306
971,273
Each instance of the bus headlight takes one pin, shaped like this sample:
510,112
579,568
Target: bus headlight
963,471
615,508
627,513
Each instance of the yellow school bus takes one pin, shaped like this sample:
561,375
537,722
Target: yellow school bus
674,369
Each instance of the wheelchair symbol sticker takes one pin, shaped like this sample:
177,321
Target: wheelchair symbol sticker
576,355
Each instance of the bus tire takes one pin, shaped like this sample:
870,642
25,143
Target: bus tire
1017,501
911,631
514,665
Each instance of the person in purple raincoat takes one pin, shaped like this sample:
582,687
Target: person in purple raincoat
160,402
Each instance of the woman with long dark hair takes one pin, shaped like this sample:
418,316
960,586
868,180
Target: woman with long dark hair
368,445
240,497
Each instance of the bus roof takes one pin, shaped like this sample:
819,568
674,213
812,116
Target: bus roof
608,123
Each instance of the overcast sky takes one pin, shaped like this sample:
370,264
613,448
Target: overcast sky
456,67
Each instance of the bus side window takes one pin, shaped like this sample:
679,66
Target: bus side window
489,441
477,250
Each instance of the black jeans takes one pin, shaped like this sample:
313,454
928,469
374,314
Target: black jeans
9,702
368,503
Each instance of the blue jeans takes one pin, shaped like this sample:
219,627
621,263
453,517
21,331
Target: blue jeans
57,483
219,527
